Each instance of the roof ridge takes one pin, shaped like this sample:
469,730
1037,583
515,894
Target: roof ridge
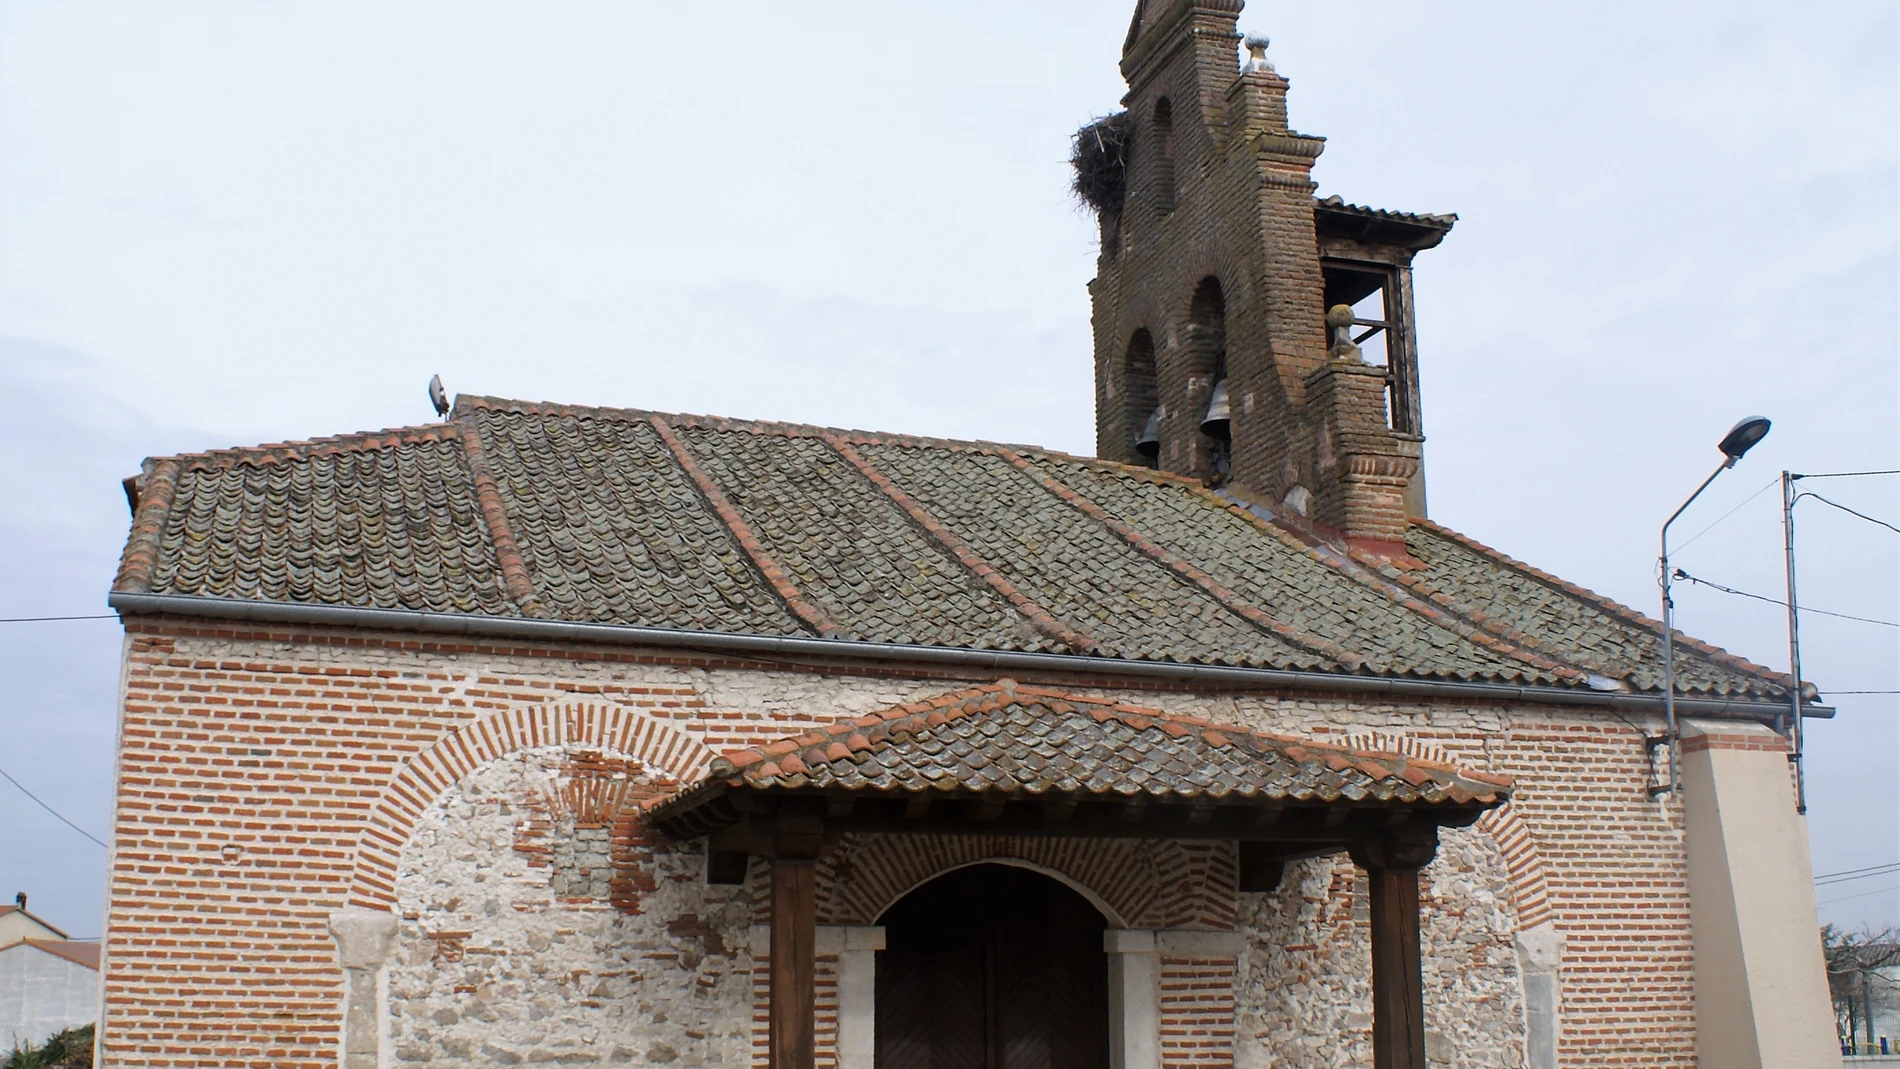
1609,605
1183,570
700,421
808,611
516,581
790,428
933,528
307,448
1354,569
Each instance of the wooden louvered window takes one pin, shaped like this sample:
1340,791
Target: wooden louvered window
992,967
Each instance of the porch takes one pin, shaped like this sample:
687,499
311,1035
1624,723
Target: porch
1041,765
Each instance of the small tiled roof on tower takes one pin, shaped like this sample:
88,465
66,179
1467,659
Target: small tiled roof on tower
521,510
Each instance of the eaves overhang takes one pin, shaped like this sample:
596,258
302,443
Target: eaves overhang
883,653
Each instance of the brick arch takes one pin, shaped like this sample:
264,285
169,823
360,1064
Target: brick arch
1530,875
423,778
1135,883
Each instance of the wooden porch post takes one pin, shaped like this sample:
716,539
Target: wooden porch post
792,1000
794,932
1392,864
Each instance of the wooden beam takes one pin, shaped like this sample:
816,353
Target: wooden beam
1398,1002
798,828
1392,863
794,937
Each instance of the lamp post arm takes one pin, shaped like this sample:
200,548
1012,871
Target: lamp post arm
1669,634
1684,507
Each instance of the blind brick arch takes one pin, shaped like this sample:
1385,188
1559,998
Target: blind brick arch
1530,876
424,777
1137,883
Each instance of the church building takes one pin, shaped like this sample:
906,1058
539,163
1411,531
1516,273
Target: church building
551,733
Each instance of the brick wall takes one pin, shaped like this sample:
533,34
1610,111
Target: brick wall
268,777
1232,209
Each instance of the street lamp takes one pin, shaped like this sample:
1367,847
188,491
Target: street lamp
1739,440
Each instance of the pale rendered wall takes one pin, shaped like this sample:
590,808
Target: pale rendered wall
1761,985
42,993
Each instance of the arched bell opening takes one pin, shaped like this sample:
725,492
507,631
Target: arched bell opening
1140,401
1207,380
992,966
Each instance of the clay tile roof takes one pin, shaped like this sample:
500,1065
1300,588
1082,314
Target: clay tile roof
72,950
1030,741
1416,231
1337,203
602,515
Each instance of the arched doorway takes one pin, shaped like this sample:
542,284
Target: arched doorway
992,967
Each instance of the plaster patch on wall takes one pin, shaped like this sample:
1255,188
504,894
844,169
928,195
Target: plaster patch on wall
541,922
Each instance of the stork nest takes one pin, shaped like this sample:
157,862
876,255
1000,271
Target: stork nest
1099,155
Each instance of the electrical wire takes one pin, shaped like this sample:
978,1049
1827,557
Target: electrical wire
1719,521
49,809
1856,874
1844,508
51,619
1680,574
1863,894
1844,474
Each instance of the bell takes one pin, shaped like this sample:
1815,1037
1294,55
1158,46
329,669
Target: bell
1216,424
1148,442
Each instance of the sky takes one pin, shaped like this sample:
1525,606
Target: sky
231,223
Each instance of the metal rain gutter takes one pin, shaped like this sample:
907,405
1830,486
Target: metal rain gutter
129,604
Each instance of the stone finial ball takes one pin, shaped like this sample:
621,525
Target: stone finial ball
1339,315
1256,42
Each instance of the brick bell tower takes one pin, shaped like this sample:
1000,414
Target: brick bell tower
1216,354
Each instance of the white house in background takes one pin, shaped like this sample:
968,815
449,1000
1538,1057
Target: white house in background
47,981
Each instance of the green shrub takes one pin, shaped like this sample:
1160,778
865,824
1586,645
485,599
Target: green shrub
70,1049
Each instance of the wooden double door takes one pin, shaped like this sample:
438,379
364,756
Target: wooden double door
992,967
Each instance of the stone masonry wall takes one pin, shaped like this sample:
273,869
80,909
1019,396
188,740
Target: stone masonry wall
1305,981
259,766
512,949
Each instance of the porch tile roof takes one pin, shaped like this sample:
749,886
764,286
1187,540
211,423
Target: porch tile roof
600,515
1032,741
